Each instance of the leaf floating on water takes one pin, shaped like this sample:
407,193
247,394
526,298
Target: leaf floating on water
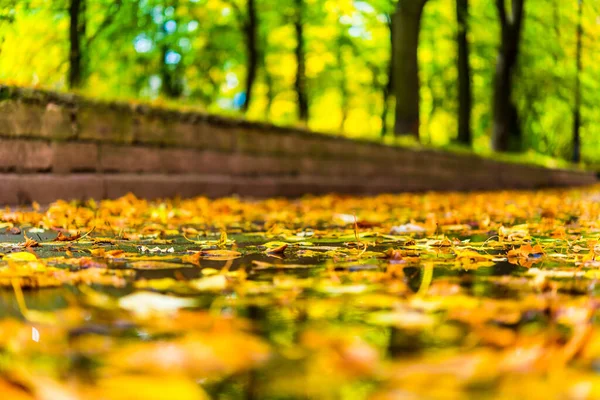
515,233
406,319
456,228
128,387
145,304
445,242
22,256
160,285
556,273
526,255
63,238
275,247
147,265
343,289
346,218
393,254
209,271
110,254
262,265
470,259
13,391
320,248
29,243
222,242
223,255
526,251
208,283
407,228
154,250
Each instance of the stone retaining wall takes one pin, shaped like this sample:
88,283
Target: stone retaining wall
63,146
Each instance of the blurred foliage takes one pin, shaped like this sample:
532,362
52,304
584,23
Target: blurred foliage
437,296
198,49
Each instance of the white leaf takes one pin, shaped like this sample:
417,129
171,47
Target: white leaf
406,228
147,303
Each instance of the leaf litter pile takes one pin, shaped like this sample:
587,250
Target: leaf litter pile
481,295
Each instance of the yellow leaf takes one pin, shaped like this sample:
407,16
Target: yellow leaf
20,256
220,254
130,387
275,247
149,303
212,282
156,265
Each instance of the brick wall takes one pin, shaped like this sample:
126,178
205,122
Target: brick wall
63,146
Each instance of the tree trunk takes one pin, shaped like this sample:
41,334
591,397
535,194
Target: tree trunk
507,130
389,86
556,22
576,157
251,29
504,123
76,37
407,20
172,83
300,84
269,82
343,83
270,94
165,74
464,74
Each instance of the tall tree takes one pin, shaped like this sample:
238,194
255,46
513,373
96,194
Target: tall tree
300,84
76,39
269,81
270,18
389,86
248,23
407,24
170,61
576,157
343,41
464,74
507,134
80,42
252,58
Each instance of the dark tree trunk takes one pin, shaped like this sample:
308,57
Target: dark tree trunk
251,29
172,85
300,84
80,40
389,86
387,90
165,74
343,82
270,94
407,24
507,130
76,39
464,74
269,82
577,110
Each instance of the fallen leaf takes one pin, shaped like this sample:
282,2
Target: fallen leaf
145,304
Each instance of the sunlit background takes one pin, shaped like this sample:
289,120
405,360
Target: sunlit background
193,53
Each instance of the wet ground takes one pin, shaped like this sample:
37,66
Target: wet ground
412,296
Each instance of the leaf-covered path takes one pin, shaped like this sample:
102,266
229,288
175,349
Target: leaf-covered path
481,295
